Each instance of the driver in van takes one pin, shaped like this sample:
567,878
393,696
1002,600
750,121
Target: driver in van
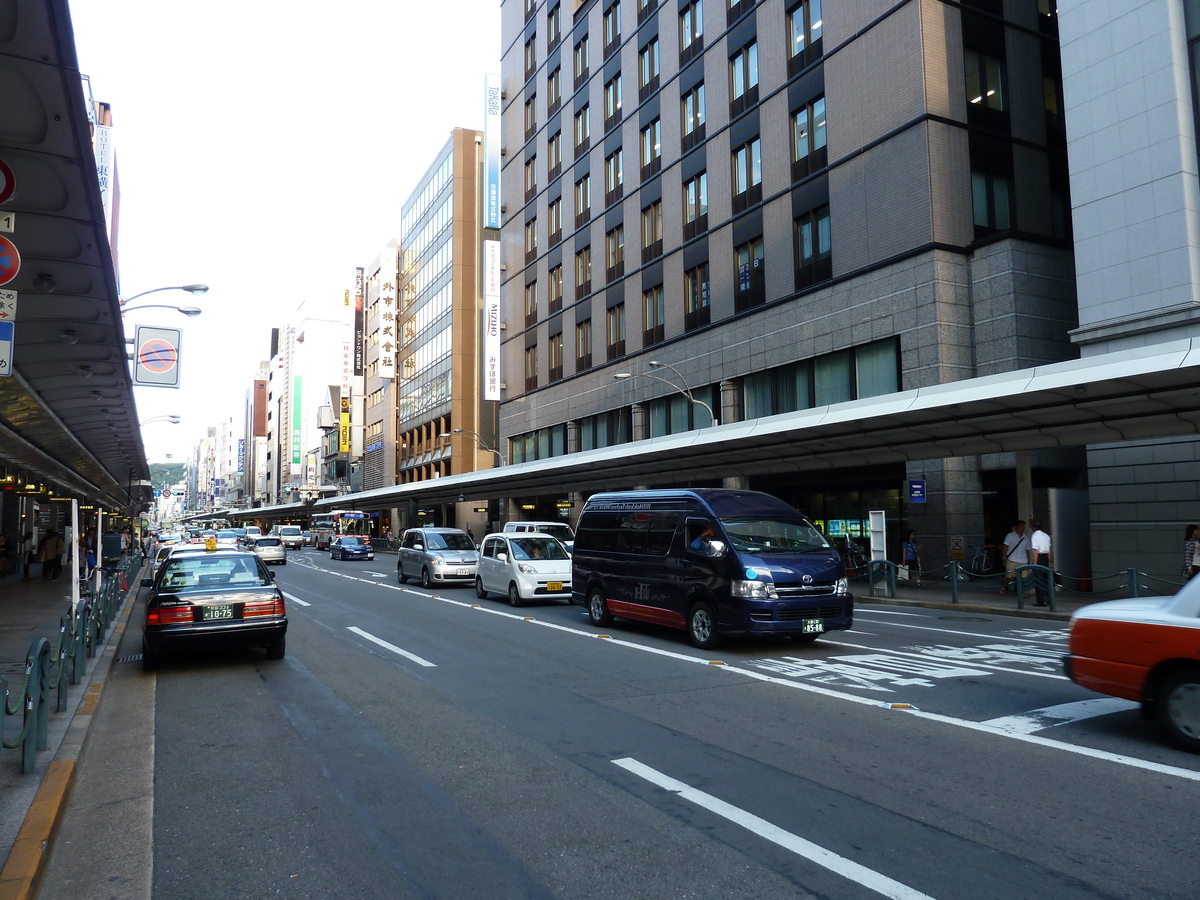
701,541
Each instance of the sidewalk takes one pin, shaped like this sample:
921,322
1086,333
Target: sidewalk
28,610
982,596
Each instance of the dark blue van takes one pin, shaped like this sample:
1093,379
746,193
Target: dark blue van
711,561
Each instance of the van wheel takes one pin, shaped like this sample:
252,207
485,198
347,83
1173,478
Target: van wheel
598,609
514,595
702,626
479,591
426,581
1178,707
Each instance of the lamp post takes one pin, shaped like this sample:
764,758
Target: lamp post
190,288
173,419
190,311
479,441
685,390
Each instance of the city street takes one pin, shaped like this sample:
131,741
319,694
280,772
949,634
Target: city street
422,743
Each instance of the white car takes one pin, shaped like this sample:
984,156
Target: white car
291,535
560,530
524,566
269,549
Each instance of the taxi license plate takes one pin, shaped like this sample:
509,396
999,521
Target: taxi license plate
217,612
814,626
463,572
554,587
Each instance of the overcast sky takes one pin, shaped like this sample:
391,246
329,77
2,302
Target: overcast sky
265,149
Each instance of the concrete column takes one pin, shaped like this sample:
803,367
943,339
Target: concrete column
1024,487
953,509
639,425
572,436
731,401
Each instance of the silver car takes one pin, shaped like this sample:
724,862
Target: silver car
270,549
437,556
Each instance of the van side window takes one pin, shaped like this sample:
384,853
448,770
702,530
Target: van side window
643,532
699,533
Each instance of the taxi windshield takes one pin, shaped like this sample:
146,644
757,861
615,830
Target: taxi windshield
768,534
204,573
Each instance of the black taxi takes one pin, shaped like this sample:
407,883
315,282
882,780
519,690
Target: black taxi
219,596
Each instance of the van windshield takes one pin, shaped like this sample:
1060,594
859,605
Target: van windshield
767,534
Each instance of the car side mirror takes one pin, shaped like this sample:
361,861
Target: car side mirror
716,549
147,582
418,546
502,557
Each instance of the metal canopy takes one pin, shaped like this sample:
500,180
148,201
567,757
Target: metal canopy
1135,394
67,415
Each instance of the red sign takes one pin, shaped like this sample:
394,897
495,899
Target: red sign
10,260
158,355
8,182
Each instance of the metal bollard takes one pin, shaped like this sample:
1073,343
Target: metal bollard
1132,574
954,581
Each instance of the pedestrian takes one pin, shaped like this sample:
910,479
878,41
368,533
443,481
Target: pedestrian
911,557
1191,546
1040,545
1016,552
27,554
50,552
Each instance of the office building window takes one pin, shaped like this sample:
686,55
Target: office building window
695,297
614,174
648,69
808,139
612,28
607,429
654,315
614,254
804,27
531,240
877,369
612,102
583,345
583,272
814,251
530,9
644,8
985,80
991,197
554,156
870,370
531,310
692,115
531,363
833,378
554,220
735,9
556,357
553,27
695,206
554,291
580,56
691,30
530,178
747,175
583,130
743,79
651,149
615,324
748,265
779,390
553,91
583,200
530,57
530,116
652,231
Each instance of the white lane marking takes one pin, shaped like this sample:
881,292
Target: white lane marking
892,612
826,859
295,599
973,634
973,662
856,631
1062,714
377,574
382,643
1120,759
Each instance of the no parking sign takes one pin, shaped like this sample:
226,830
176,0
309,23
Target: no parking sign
156,362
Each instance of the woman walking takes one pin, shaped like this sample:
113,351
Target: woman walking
1191,546
911,557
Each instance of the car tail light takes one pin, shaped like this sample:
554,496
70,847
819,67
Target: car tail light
170,615
263,608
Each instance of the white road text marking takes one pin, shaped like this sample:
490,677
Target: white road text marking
1062,714
382,643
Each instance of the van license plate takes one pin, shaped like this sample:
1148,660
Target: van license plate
217,612
814,626
554,587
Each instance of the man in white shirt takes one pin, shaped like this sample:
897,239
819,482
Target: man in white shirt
1040,545
1016,552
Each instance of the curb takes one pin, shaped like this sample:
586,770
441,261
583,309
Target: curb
968,607
26,865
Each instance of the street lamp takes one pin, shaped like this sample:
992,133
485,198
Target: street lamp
190,311
174,420
685,390
479,441
190,288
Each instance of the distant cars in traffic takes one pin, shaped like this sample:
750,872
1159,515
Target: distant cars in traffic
351,546
437,556
292,536
269,549
1144,649
560,530
213,597
523,566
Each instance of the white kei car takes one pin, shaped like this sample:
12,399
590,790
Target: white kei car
523,567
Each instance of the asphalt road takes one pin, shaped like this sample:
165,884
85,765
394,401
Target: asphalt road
427,744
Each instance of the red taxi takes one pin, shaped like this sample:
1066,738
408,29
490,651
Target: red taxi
1144,649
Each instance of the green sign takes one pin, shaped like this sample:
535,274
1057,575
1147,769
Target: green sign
297,396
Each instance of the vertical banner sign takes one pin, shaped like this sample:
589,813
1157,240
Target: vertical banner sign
7,332
491,320
344,426
359,324
297,394
388,275
102,142
241,459
491,152
8,306
347,341
156,363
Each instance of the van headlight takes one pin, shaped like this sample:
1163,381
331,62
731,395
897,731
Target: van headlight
841,587
754,590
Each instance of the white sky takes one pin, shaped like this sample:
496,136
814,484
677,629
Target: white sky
265,149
